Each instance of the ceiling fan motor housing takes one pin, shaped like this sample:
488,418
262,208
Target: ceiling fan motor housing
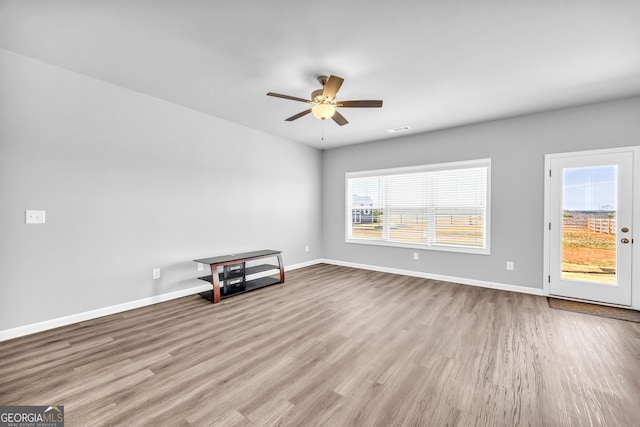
316,96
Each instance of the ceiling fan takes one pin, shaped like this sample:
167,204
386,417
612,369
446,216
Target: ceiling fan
324,101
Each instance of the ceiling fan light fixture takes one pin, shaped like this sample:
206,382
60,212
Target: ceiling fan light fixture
324,101
323,111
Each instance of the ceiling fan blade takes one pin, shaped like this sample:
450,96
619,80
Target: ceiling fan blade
331,87
293,98
297,116
369,103
339,119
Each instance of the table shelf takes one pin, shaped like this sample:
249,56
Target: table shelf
249,271
250,285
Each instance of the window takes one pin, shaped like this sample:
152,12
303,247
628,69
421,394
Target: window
441,207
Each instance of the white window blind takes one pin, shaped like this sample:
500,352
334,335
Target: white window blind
442,207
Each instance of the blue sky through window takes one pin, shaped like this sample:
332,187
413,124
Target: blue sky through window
591,188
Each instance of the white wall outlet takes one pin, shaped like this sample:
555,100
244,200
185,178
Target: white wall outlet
509,265
416,256
34,217
306,248
200,266
156,273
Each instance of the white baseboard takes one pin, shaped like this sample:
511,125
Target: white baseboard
460,280
303,264
20,331
119,308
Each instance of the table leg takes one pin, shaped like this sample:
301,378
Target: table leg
281,265
216,283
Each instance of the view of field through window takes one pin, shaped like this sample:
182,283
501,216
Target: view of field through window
413,226
589,224
442,207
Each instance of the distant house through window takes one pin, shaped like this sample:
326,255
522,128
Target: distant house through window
439,207
365,212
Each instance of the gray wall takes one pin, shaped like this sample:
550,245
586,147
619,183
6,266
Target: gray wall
130,183
517,147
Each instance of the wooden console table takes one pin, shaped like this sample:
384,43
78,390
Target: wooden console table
234,273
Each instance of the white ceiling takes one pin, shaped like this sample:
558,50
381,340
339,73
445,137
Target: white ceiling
435,63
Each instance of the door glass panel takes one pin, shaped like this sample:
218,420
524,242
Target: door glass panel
589,211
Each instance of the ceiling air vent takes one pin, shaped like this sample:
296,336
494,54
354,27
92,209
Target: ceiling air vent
400,129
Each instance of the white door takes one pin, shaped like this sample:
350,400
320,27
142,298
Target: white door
590,227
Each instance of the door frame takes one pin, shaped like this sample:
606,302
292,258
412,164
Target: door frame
635,234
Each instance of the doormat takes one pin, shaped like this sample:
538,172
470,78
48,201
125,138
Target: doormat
595,309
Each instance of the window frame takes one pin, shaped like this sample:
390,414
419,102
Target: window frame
466,164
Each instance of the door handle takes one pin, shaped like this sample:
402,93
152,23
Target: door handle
624,240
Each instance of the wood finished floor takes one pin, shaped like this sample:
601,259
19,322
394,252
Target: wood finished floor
335,346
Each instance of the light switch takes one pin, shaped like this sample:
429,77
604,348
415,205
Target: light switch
34,217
